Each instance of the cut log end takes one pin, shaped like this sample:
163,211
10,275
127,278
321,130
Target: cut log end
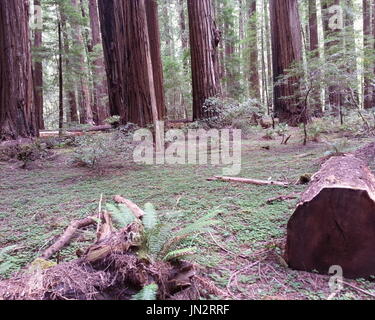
334,224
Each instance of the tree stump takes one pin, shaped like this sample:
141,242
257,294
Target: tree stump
334,224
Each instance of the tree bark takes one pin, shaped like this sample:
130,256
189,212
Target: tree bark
69,85
61,80
17,112
334,224
313,26
38,73
286,49
367,33
314,46
132,87
253,58
84,98
154,38
100,103
334,95
204,41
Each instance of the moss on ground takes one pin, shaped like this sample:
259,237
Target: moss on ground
36,206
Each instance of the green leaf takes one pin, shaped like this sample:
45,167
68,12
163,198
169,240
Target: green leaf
121,215
180,253
150,219
147,293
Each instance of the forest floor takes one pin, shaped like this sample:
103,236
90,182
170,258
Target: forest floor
242,254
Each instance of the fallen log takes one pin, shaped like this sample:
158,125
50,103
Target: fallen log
67,236
334,223
92,129
249,181
137,211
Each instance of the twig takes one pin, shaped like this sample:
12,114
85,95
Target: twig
356,288
99,214
235,274
224,249
283,198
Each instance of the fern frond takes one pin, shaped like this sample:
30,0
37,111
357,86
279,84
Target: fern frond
5,250
180,253
172,243
150,219
147,293
200,225
157,238
5,267
121,214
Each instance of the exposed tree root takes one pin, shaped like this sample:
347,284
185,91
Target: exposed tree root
110,269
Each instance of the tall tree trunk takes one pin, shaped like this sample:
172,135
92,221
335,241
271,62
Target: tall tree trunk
69,86
113,41
38,73
269,73
61,81
132,88
334,92
204,40
86,114
367,33
314,47
286,49
17,113
313,26
157,67
100,103
231,64
253,48
183,32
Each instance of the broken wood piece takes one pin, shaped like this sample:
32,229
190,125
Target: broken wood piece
282,198
249,181
334,223
67,236
92,129
137,211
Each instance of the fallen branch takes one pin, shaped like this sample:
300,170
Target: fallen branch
137,211
67,236
92,129
249,181
283,198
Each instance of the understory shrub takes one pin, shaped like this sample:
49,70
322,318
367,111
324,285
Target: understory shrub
231,114
94,151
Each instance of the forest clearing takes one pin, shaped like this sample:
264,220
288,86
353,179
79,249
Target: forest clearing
187,150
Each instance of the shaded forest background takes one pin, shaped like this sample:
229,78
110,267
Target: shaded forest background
289,59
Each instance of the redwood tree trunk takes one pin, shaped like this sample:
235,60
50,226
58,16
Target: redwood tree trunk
313,25
154,37
17,113
86,115
286,49
367,32
132,88
314,46
334,94
204,40
69,85
100,102
253,63
38,74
